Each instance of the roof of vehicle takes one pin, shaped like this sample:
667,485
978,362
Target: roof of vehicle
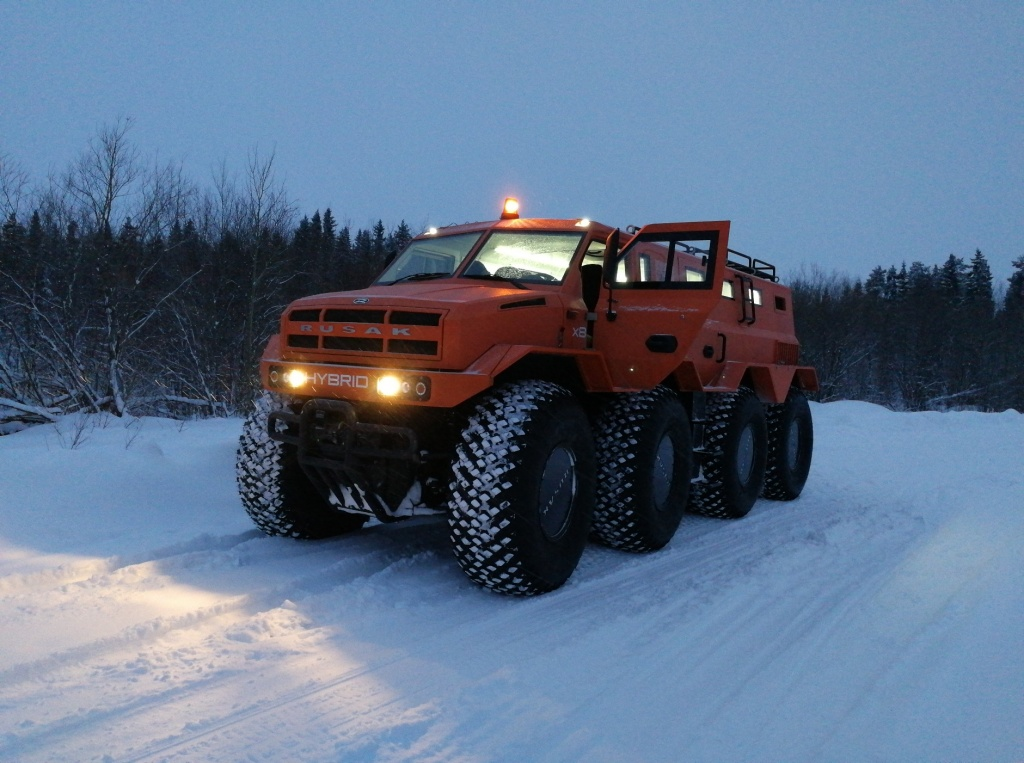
529,223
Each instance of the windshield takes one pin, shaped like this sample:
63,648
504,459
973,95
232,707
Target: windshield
524,256
430,258
517,256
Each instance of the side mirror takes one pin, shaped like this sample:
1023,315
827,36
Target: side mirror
591,276
611,254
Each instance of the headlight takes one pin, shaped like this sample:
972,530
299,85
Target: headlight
284,378
404,387
388,385
280,377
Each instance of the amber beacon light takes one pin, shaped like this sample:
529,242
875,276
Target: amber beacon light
510,209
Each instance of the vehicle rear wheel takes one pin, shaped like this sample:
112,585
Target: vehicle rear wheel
275,491
790,443
523,489
645,458
735,453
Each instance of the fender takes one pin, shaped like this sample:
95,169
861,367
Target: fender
771,383
590,364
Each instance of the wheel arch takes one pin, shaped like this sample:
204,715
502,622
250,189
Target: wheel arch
773,383
563,370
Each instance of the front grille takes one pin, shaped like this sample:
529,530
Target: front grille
353,344
374,330
412,347
404,318
354,316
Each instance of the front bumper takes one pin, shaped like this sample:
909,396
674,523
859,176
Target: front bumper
440,389
340,454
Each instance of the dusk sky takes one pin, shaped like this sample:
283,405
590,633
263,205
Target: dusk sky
846,135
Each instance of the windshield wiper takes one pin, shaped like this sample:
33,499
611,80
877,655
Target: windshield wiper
417,277
495,277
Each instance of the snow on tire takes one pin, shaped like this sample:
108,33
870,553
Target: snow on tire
645,458
734,456
275,491
523,489
790,444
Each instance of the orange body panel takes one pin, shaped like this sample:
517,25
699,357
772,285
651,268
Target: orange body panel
452,337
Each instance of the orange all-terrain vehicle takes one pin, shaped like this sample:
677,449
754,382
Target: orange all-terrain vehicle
536,381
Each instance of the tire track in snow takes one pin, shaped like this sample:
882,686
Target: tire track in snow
76,572
378,556
706,556
255,601
607,576
78,725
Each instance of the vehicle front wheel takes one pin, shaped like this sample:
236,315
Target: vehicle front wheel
523,489
275,491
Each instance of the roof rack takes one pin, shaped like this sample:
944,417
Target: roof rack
753,266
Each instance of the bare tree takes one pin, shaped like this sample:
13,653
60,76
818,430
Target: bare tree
13,186
80,323
266,217
165,197
105,174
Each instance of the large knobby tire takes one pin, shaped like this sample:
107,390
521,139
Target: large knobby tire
790,444
735,454
645,457
523,489
275,491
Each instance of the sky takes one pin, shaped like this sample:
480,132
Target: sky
838,135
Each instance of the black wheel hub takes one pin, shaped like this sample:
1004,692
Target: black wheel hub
557,491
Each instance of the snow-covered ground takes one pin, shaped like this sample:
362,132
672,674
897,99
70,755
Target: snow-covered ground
879,617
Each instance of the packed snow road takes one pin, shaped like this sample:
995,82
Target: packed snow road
878,617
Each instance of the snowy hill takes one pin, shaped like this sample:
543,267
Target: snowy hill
878,617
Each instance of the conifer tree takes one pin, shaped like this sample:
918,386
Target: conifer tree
316,233
978,288
343,245
951,279
874,286
378,242
1014,303
400,238
329,235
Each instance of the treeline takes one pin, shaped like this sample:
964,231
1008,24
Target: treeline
126,288
918,337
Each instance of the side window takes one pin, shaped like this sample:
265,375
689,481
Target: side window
754,294
595,256
594,253
671,260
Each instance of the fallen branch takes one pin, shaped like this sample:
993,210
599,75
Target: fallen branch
47,414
